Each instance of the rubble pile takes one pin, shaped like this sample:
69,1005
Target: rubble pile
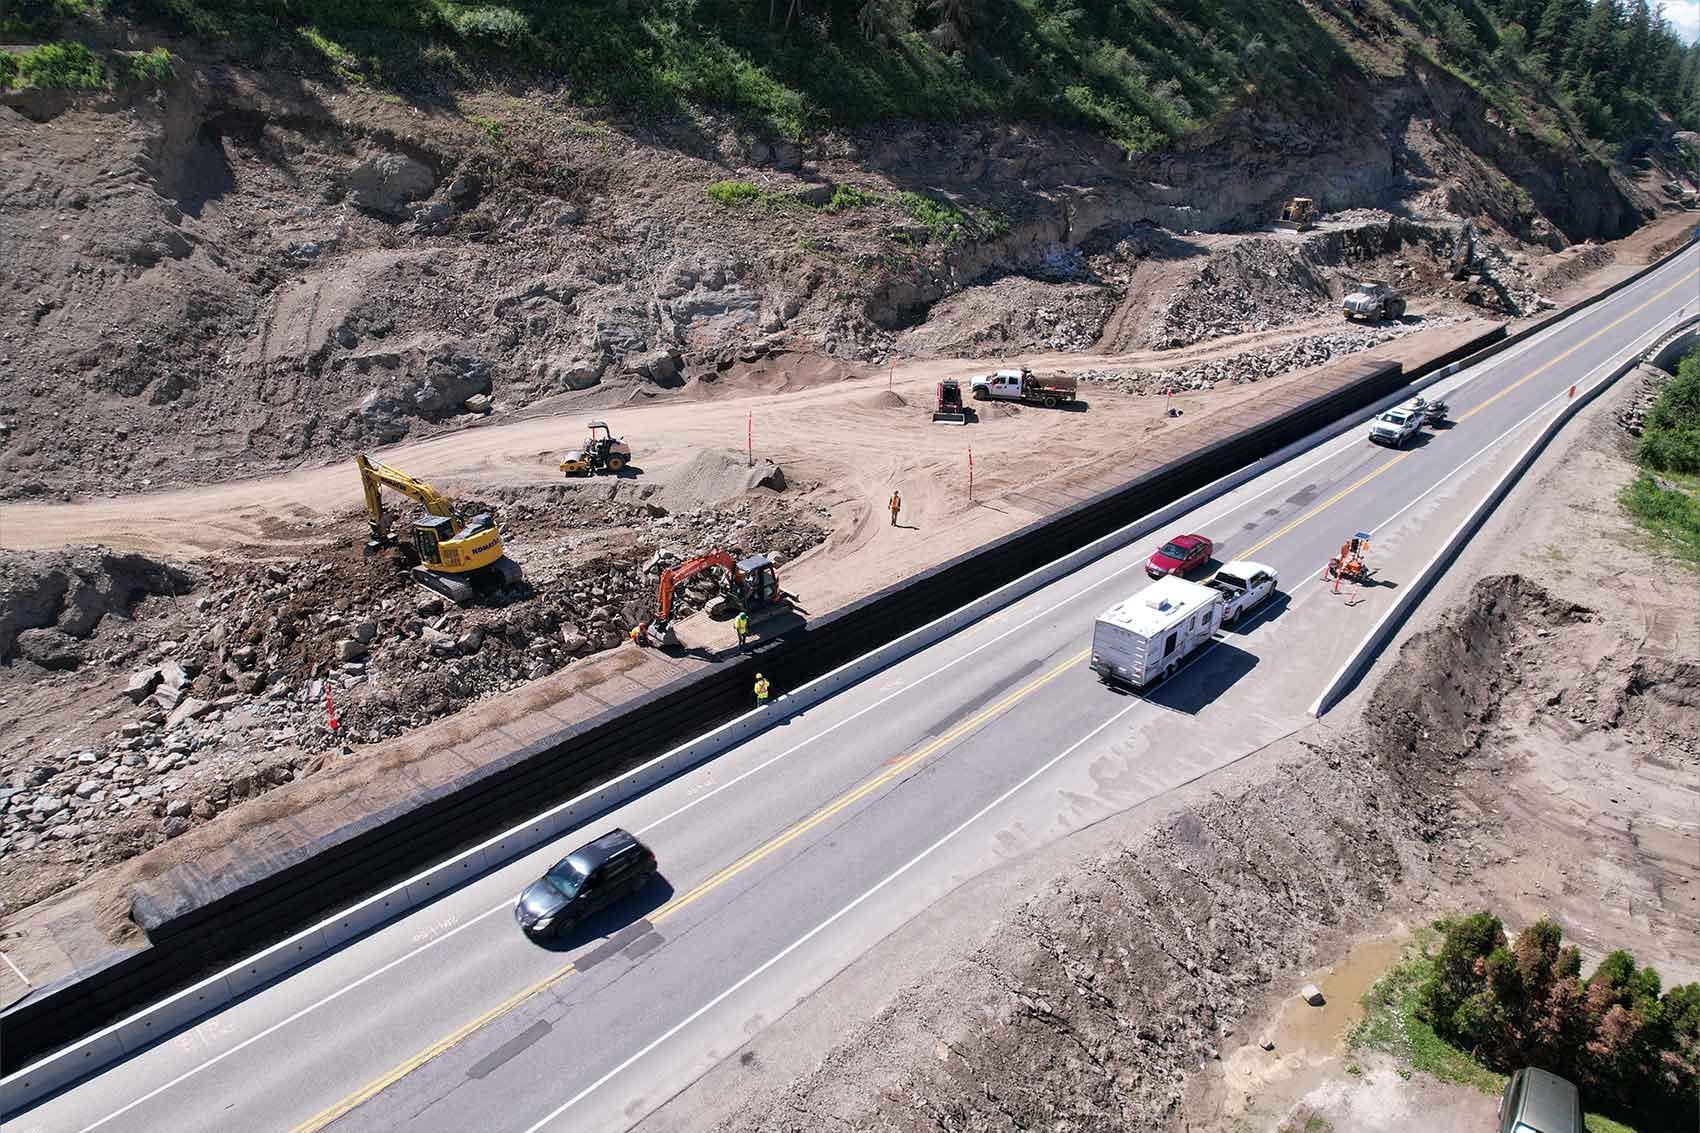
225,687
1014,315
1255,365
1253,286
1650,384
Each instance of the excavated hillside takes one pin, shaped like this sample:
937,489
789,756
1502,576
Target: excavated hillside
225,271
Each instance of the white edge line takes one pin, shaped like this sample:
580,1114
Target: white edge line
1331,689
17,971
1087,555
824,925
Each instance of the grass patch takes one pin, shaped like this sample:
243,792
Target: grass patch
489,127
947,224
1391,1023
143,67
847,198
1670,514
61,66
735,192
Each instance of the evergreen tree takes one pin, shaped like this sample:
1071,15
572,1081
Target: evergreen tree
1634,62
1596,54
1553,34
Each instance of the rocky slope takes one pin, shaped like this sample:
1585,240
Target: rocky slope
232,271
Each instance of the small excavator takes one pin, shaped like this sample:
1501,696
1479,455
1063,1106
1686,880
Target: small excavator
753,589
459,558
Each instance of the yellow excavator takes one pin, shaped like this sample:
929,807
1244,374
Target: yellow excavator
461,559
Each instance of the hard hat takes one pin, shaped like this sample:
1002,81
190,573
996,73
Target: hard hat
758,676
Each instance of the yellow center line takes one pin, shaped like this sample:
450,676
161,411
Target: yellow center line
1555,361
378,1085
861,792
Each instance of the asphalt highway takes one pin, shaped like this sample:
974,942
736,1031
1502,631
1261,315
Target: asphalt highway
792,854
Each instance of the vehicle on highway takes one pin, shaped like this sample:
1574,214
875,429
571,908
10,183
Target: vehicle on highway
1181,555
592,877
1431,412
1243,586
1536,1101
1025,386
1395,427
1149,634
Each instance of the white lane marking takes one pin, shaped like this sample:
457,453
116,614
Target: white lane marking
17,971
1345,440
333,996
190,1073
1538,410
833,919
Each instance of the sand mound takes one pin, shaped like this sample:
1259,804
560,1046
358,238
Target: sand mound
884,399
714,475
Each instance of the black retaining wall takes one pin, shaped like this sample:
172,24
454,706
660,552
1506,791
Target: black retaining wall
188,944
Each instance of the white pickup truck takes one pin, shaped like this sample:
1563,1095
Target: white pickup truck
1243,586
1395,427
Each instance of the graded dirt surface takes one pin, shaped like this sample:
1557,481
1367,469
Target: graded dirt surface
1529,745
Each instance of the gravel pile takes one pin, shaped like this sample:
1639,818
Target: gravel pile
1254,365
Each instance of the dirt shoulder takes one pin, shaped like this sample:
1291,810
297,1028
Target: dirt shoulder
1124,977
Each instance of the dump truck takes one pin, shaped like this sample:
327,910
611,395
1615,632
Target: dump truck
1374,299
1025,386
950,410
1149,634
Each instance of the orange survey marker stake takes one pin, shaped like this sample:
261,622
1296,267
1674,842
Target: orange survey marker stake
330,709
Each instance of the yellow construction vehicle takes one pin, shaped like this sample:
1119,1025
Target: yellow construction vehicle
602,452
1299,214
461,559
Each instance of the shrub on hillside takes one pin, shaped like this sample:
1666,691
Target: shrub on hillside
69,66
1613,1034
1671,440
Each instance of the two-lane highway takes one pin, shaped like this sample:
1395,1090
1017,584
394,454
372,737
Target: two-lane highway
789,856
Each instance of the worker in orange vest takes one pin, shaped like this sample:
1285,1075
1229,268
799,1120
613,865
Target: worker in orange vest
896,506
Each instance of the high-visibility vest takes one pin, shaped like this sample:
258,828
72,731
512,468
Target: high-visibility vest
742,624
761,689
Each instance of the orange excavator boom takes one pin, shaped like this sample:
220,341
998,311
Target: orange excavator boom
673,576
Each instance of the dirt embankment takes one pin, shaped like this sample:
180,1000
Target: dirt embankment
237,271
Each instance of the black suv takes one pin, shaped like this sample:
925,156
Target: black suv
591,877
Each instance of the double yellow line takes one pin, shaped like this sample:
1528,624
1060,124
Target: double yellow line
442,1046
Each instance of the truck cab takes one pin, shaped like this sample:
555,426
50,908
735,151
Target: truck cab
1395,427
1243,585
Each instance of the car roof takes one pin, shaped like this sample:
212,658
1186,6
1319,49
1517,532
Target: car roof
594,853
1187,540
1245,568
1549,1102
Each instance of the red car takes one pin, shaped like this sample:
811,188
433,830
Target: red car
1181,555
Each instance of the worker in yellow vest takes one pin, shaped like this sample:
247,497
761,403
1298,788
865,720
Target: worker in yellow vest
761,691
742,625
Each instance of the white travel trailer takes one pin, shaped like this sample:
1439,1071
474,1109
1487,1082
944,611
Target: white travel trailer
1148,635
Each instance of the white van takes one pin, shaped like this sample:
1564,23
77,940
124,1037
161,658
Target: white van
1146,636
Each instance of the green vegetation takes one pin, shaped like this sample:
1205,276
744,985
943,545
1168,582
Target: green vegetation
1669,505
1475,1008
71,66
846,198
488,127
947,224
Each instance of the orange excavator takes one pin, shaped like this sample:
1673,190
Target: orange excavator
753,587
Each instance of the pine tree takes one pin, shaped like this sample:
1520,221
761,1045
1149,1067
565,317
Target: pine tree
1596,55
1635,64
1553,34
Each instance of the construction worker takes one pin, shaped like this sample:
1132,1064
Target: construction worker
761,691
896,506
742,625
636,635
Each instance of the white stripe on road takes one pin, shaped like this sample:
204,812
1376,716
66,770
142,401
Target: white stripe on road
830,921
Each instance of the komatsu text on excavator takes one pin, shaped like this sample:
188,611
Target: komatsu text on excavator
461,559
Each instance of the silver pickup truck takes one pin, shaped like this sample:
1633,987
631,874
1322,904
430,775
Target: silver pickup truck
1395,427
1243,586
